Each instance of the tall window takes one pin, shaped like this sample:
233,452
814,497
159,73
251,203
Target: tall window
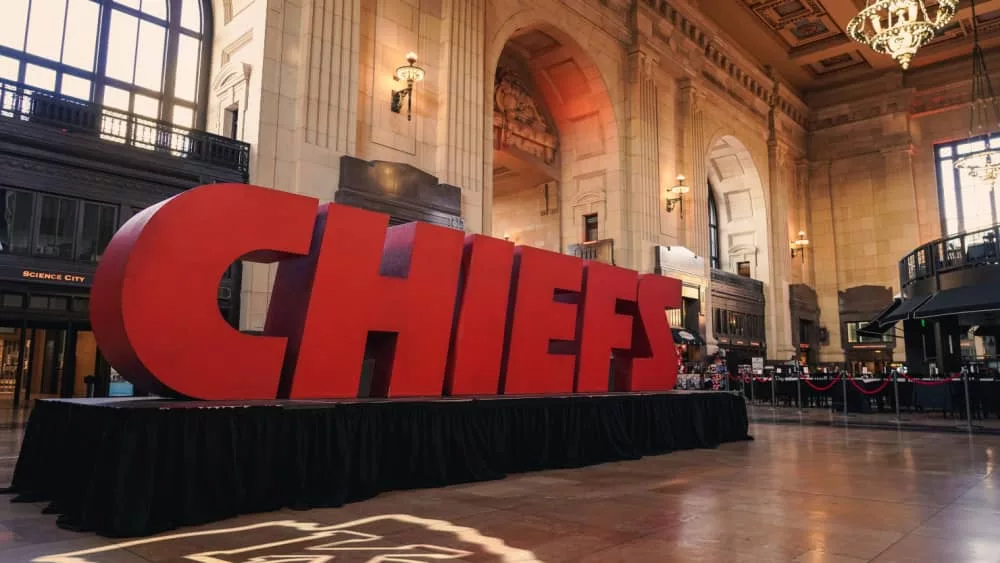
967,203
140,56
713,230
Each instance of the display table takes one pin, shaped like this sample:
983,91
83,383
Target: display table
134,467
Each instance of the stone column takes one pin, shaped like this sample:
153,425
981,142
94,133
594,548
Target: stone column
897,222
805,218
461,151
897,217
695,168
778,317
825,256
308,115
642,218
332,40
693,163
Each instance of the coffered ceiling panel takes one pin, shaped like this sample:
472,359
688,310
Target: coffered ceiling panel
796,22
805,43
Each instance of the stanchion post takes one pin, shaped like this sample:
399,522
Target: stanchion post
752,388
774,377
798,392
895,386
968,407
843,381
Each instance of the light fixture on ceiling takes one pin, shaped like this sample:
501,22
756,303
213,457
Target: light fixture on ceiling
899,27
799,245
675,195
983,165
411,74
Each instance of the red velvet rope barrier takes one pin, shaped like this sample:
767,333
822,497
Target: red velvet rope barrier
940,382
824,388
875,391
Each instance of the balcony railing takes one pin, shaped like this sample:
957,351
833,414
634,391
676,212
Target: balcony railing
957,252
598,251
24,103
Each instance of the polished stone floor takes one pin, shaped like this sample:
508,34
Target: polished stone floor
797,493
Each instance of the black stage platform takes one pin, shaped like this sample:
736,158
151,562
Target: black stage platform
129,467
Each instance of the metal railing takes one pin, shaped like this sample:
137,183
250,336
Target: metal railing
598,251
965,250
25,103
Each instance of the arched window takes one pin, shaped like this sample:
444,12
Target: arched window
713,230
141,56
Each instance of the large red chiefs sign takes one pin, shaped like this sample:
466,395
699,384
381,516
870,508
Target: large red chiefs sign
439,311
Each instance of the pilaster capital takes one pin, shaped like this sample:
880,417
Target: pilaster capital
643,63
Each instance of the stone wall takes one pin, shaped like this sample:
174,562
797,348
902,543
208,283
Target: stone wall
638,92
872,186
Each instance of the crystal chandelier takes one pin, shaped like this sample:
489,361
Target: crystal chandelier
984,165
899,27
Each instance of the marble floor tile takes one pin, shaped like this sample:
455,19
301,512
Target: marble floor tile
795,494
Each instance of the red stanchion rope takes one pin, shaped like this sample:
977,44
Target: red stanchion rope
825,387
931,383
875,391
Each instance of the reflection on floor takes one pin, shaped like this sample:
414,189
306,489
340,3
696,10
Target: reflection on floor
797,493
907,420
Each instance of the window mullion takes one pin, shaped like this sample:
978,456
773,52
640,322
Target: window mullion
170,60
100,72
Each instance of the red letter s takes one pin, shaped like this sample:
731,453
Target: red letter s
652,363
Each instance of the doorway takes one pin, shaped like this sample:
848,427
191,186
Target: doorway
45,360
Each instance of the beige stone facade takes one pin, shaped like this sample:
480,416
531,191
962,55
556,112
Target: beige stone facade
624,97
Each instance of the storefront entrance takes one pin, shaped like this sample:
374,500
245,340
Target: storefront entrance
40,360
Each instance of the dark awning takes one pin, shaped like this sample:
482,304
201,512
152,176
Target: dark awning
878,325
980,298
685,336
905,310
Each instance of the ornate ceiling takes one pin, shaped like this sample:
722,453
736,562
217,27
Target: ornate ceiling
805,43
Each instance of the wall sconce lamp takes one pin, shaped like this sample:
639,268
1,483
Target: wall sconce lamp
799,245
410,73
675,195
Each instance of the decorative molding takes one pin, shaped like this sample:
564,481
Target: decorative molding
229,76
589,197
236,45
744,75
517,120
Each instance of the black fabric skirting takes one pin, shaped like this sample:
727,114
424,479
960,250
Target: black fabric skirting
134,468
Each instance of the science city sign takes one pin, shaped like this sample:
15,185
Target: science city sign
440,312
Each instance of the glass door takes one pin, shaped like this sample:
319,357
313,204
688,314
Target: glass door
15,349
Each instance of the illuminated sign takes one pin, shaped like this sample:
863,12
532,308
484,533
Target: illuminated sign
440,312
35,275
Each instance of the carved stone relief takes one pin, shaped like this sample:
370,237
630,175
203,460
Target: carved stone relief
517,120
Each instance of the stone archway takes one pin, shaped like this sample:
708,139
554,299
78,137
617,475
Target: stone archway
738,187
741,316
556,164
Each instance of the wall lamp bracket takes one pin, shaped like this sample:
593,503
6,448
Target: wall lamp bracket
675,195
411,74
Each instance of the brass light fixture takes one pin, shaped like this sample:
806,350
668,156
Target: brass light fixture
899,27
675,195
799,246
411,74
